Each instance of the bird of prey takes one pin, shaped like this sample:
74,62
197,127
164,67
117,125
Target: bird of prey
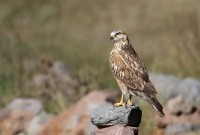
131,73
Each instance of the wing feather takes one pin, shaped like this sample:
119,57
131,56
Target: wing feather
127,66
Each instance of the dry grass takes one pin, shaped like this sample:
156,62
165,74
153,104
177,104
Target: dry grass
166,34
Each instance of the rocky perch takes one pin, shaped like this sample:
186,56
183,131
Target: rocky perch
110,120
182,118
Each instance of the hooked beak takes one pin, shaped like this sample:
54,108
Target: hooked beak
111,38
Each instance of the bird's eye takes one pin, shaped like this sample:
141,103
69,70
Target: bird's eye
117,33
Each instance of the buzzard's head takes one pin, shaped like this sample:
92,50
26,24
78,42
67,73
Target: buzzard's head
118,35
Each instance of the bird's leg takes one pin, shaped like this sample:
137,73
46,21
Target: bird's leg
129,101
121,103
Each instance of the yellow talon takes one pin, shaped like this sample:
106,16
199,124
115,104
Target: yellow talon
121,103
129,101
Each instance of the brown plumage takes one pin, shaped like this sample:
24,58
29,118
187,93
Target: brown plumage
131,73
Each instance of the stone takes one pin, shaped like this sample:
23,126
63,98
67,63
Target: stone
169,86
117,130
75,120
181,117
5,113
180,129
170,118
40,81
36,124
33,106
190,89
109,115
61,71
163,81
14,122
159,131
15,118
180,105
165,85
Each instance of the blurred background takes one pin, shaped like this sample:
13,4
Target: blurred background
56,51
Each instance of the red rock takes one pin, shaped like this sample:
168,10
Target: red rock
117,130
159,131
4,114
170,118
13,122
179,105
75,120
178,113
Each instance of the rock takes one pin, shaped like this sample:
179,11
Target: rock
14,121
30,105
37,123
117,130
180,116
165,85
109,115
190,89
60,70
180,105
54,75
169,86
159,131
4,114
180,129
170,118
23,117
40,81
163,81
75,120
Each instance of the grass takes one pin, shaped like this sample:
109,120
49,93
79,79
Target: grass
165,34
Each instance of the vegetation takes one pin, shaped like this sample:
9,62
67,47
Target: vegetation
166,34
